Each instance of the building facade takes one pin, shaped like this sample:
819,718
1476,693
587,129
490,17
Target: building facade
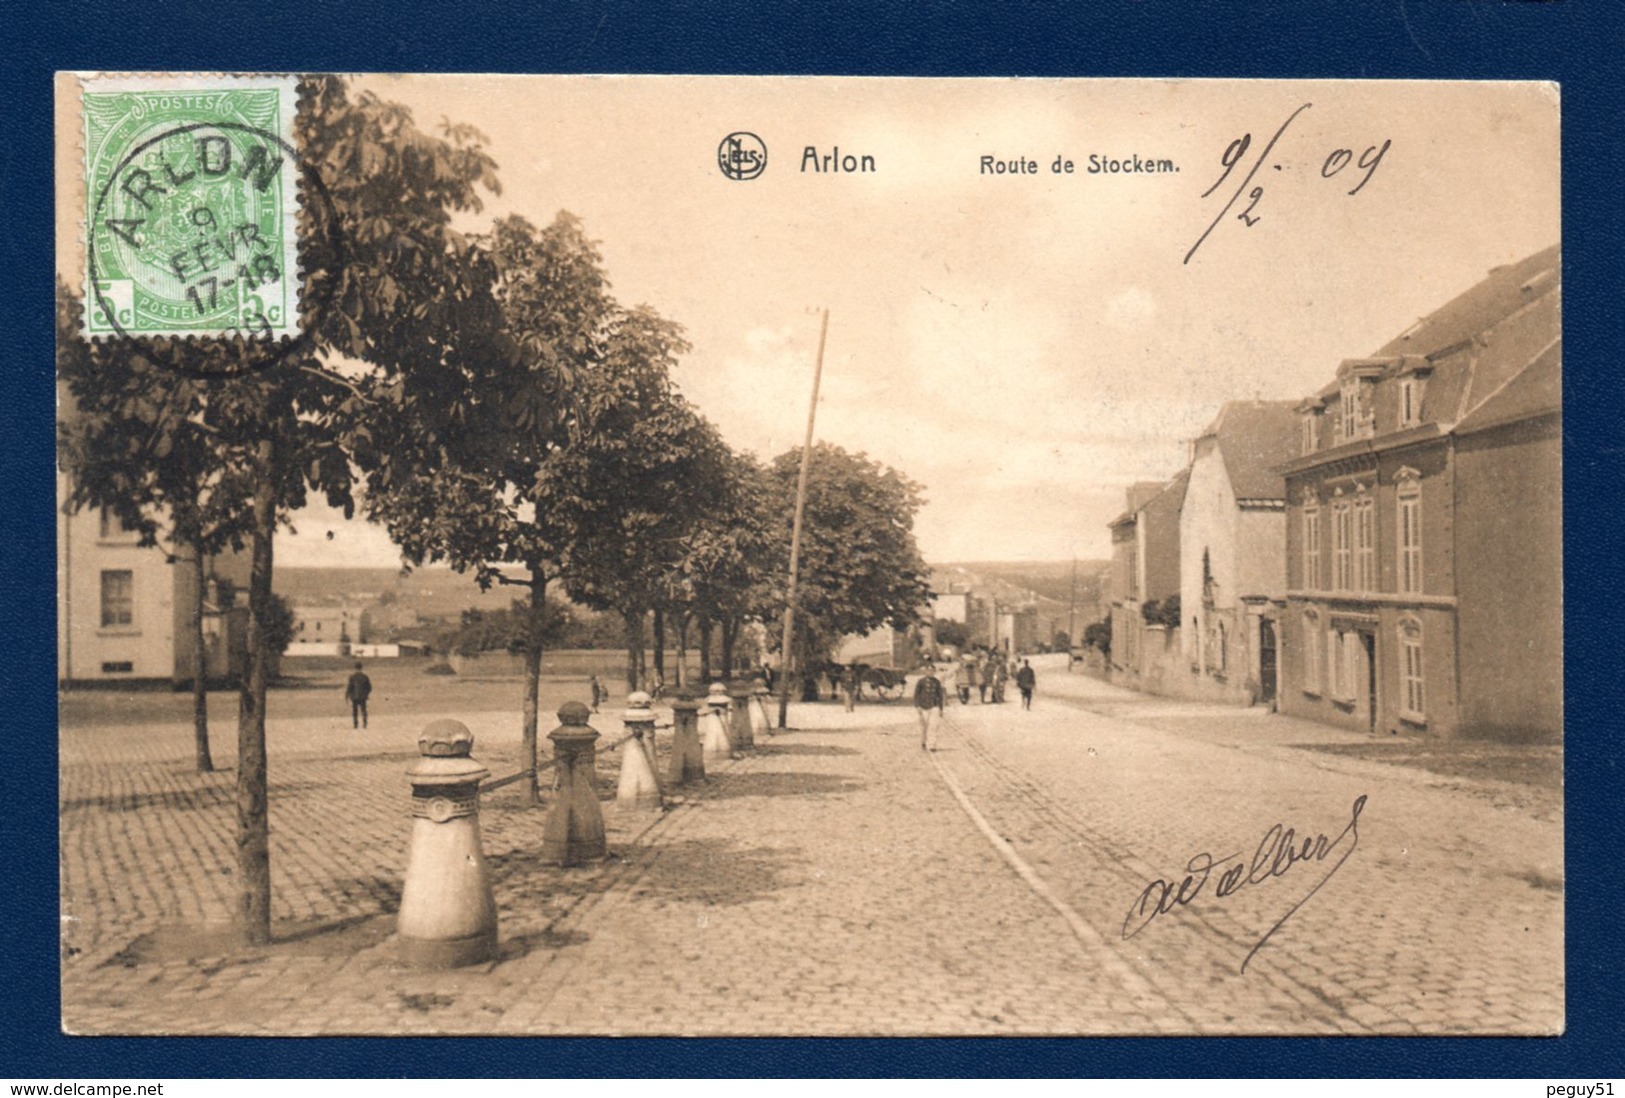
1424,524
1145,569
1232,532
125,610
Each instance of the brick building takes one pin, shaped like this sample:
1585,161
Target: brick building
1424,524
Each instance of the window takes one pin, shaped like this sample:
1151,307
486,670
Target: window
1412,699
1365,542
112,526
1311,652
1342,544
1345,665
1349,407
1311,546
1410,533
1410,402
1308,436
118,599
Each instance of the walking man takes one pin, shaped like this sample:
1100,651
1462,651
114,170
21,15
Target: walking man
849,686
928,696
1025,681
356,692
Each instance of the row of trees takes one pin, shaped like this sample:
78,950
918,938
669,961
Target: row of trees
486,399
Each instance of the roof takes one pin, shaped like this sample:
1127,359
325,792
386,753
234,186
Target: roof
1255,437
1480,344
1502,292
1535,390
1172,493
1141,492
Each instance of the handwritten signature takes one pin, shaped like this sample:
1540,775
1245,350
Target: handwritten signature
1277,853
1236,151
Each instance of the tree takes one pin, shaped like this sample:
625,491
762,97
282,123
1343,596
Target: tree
1099,635
470,475
655,465
387,285
954,633
860,566
141,446
730,554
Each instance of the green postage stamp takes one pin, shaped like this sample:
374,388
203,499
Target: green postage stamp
191,197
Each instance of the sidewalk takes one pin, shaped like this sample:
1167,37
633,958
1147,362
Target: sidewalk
837,881
828,884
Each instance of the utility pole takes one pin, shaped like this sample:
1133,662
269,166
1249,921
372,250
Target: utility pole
795,530
1072,612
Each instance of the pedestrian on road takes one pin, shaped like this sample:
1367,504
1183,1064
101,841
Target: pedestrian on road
962,681
984,677
1001,675
356,692
1025,681
928,696
849,686
598,692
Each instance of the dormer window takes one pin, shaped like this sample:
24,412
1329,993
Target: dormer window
1357,415
1413,375
1354,418
1410,402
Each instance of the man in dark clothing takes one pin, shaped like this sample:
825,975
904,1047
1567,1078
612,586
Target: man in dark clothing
1025,681
928,695
356,692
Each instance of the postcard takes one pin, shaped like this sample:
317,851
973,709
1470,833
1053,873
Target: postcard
744,556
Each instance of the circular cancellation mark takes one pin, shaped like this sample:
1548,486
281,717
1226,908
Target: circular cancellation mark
254,346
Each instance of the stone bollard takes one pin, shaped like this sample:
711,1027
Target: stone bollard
448,916
719,746
744,737
687,753
639,786
574,832
759,721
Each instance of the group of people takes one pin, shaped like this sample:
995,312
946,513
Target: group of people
985,672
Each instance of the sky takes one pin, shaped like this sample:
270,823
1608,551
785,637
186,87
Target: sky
1024,345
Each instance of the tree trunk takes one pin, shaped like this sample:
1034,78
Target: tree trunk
634,650
660,645
200,668
730,633
682,650
705,650
253,817
534,624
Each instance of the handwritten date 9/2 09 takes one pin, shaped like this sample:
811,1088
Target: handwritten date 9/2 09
1278,851
1359,166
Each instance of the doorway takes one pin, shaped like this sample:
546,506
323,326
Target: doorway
1266,660
1368,641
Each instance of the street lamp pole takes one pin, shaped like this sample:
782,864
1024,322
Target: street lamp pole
795,531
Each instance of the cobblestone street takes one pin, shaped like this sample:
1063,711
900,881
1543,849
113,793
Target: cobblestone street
838,880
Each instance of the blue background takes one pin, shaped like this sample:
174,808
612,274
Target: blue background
1577,44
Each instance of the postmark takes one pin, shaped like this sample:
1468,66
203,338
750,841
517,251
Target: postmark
193,192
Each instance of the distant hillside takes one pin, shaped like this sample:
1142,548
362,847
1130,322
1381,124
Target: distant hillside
432,592
1047,585
1049,579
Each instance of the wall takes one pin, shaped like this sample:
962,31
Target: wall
1158,525
1207,523
1509,544
83,644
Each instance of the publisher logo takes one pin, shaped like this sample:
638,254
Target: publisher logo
742,155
